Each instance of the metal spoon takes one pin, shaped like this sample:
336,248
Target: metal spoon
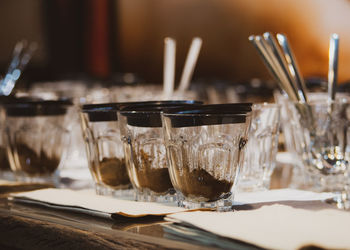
273,65
293,66
255,40
265,57
304,110
333,66
281,61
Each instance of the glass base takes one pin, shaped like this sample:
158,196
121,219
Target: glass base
127,194
150,196
7,175
222,205
44,179
252,185
341,200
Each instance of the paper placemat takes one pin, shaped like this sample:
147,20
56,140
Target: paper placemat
280,195
274,226
87,202
95,204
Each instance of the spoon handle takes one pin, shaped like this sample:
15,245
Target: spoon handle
281,61
272,64
333,66
293,66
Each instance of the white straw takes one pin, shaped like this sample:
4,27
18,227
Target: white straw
190,63
169,67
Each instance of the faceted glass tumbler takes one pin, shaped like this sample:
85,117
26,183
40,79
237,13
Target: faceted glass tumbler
324,137
146,162
261,149
291,127
37,140
104,148
205,152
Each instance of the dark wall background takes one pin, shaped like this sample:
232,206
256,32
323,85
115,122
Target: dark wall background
100,38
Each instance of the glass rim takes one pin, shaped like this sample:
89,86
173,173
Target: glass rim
207,114
37,103
322,103
116,106
228,108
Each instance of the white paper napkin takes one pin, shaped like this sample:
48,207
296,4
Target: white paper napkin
275,226
280,195
102,206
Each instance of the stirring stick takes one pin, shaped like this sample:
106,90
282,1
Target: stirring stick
333,67
190,63
169,67
293,66
282,62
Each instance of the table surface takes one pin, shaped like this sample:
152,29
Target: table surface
37,227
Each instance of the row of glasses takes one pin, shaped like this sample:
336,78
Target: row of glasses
75,155
104,146
178,150
164,150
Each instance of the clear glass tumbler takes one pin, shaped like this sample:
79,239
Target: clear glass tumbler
261,149
100,127
291,127
37,139
293,123
205,149
324,137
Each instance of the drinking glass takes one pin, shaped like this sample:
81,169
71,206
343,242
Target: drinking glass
324,137
261,149
37,139
104,148
291,126
205,152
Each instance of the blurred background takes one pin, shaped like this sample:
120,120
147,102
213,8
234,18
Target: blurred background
103,39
